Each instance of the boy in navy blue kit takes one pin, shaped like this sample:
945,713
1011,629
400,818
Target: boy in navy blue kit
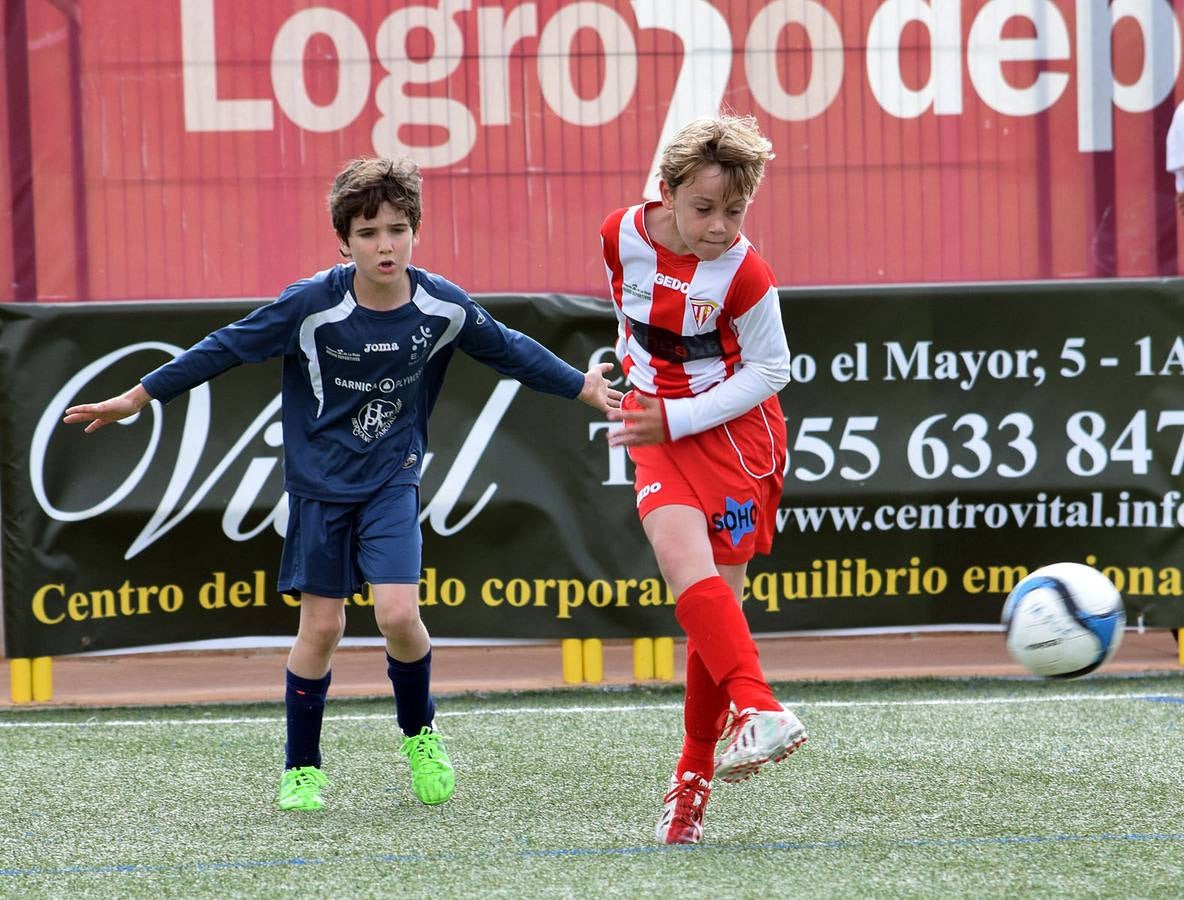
365,346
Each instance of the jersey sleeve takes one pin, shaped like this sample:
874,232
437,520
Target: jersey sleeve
610,251
266,332
762,372
516,355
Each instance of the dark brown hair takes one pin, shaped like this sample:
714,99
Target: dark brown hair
366,183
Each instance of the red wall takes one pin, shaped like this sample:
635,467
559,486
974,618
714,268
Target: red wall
172,208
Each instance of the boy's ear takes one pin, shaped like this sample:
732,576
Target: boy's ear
667,194
343,249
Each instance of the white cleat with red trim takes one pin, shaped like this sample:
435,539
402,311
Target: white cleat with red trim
757,737
682,816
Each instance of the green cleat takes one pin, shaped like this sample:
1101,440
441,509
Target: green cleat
432,777
301,788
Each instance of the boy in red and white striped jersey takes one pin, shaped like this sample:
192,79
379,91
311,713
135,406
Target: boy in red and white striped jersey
702,344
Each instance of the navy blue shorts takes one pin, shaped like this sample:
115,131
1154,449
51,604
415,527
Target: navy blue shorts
332,549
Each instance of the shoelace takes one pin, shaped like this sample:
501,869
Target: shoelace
736,721
426,747
692,786
304,779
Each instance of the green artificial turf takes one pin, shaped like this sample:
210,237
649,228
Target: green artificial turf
927,788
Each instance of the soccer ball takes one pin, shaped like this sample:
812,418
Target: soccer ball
1063,620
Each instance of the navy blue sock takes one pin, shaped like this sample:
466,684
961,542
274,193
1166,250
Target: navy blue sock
414,706
304,702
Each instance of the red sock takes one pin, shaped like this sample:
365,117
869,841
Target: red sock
711,617
703,713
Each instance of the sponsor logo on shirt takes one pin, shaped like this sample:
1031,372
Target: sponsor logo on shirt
635,291
386,385
671,282
411,460
738,519
346,355
702,311
419,342
381,347
375,418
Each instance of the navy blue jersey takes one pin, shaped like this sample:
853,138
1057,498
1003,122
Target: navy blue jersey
359,384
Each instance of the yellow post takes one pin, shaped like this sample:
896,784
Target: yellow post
573,661
21,672
42,678
593,660
643,659
664,658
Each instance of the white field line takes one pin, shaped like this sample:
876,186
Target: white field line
593,710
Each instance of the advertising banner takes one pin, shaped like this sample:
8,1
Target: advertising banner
942,443
184,149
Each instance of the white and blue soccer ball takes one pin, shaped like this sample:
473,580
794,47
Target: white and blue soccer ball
1063,620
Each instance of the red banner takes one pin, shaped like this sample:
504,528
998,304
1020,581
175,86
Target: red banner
183,149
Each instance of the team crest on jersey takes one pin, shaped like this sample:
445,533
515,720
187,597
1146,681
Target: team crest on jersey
419,342
375,418
702,311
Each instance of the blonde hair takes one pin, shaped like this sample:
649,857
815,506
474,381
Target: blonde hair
734,143
364,184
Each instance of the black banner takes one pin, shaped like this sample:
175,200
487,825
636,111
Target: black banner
943,441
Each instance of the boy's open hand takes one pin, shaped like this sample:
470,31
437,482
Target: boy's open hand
596,390
643,425
99,414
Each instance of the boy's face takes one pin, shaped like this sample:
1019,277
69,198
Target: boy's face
381,247
707,218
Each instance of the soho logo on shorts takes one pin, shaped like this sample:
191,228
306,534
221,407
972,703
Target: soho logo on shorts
652,488
738,519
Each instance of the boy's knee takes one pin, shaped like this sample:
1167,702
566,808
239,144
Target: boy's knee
398,621
323,635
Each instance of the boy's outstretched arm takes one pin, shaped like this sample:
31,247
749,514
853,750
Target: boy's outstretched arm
597,391
96,415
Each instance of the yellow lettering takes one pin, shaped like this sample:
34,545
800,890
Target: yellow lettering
973,580
571,595
240,594
653,591
40,613
764,590
487,589
623,585
540,590
212,594
171,598
77,607
102,604
518,592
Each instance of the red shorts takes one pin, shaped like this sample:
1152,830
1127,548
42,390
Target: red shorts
733,473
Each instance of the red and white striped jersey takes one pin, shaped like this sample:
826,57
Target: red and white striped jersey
705,336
